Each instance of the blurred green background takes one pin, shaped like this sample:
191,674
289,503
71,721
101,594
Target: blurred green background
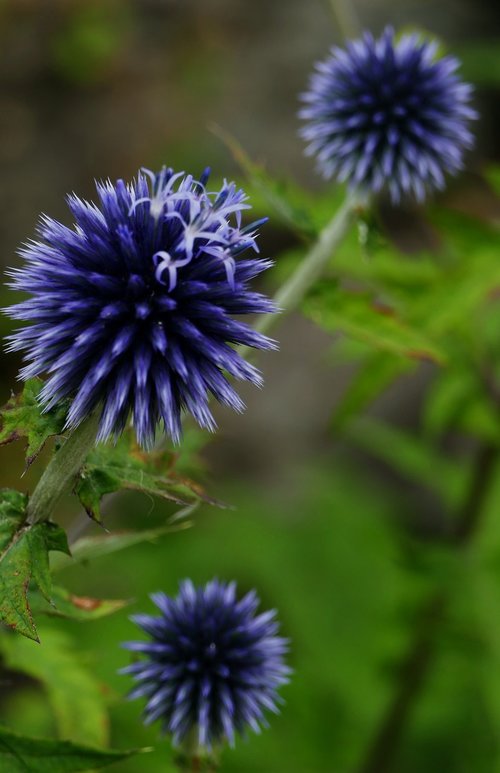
331,531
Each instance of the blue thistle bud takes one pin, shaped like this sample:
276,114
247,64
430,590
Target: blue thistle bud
388,114
212,665
133,310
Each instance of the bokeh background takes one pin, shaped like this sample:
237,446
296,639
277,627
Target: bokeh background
98,88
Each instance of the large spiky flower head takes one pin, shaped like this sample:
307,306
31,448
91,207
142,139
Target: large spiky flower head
389,114
212,665
133,309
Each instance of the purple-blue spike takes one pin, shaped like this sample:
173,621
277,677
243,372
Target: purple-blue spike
388,113
211,664
122,293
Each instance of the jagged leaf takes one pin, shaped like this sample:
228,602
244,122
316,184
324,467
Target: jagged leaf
459,294
74,695
19,754
357,315
66,604
87,548
125,466
22,417
24,558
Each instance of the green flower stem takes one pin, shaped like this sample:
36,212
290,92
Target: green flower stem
310,269
346,17
60,474
191,758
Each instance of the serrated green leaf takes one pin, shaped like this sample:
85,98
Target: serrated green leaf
357,315
23,417
75,697
469,277
24,558
19,754
88,548
56,538
385,268
439,299
453,300
125,466
66,604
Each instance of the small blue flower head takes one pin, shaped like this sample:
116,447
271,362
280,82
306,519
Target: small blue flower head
212,665
388,114
134,310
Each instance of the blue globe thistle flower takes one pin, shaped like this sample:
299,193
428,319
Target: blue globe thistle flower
212,666
134,308
388,114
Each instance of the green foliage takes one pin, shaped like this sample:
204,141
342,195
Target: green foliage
324,552
348,579
454,721
23,417
24,558
86,549
376,371
66,604
74,696
416,459
458,400
359,315
436,306
19,754
124,466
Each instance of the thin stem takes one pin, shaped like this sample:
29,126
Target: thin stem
62,470
192,758
346,17
418,662
310,269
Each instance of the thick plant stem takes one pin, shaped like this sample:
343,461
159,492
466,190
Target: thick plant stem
310,269
62,470
419,659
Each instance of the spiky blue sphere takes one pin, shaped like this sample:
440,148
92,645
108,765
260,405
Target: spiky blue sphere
212,664
388,114
133,309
